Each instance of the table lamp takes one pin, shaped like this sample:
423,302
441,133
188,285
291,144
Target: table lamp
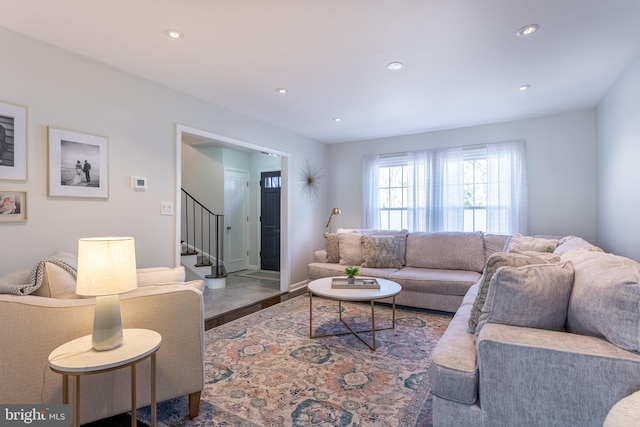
334,211
106,268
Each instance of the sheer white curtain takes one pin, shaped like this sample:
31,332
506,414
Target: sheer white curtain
419,189
435,187
370,180
448,187
507,194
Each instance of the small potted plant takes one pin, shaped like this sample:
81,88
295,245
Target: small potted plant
351,273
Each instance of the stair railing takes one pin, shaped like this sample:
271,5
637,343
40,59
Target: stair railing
203,233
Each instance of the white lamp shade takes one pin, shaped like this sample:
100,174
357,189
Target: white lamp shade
106,266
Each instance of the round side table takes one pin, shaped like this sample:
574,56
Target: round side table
77,358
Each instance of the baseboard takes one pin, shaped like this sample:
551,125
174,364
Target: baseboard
298,286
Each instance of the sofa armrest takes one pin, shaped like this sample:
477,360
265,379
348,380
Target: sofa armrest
541,377
321,256
33,326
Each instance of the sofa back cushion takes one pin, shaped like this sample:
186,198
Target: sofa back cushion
446,250
605,301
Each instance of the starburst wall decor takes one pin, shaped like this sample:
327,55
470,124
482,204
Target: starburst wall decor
310,177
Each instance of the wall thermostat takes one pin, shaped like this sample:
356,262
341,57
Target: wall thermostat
138,183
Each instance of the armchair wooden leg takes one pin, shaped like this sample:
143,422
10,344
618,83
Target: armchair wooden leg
194,404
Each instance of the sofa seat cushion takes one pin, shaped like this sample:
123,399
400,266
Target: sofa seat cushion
446,250
435,281
317,270
454,368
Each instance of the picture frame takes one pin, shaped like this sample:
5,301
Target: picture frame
69,154
13,205
13,142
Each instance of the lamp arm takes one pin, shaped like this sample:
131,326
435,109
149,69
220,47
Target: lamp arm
329,222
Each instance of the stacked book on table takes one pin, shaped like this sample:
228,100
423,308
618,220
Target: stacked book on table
359,283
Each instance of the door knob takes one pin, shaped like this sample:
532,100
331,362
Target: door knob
228,227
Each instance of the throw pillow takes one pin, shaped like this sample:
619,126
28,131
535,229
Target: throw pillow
380,251
528,243
332,245
350,248
532,296
495,261
605,298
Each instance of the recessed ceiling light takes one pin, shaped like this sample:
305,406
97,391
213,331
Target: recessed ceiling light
527,30
281,90
394,66
523,88
337,119
174,34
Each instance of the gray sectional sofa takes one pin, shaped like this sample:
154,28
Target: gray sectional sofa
435,269
546,331
554,344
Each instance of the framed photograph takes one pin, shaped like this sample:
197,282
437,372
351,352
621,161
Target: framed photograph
78,164
13,142
13,206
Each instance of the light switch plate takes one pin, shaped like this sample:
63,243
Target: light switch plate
166,208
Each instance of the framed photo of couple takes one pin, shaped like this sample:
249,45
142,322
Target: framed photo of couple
78,164
13,142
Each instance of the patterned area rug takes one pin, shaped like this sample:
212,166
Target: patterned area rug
264,370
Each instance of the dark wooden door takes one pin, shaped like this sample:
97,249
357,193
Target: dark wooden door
270,221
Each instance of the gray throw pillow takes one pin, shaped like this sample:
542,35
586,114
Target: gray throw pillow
380,251
495,261
533,296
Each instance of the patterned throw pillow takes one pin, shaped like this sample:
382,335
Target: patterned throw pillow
527,243
332,245
380,251
532,296
495,261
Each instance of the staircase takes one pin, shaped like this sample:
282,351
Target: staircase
202,251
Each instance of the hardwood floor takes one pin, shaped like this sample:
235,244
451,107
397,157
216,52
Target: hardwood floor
223,318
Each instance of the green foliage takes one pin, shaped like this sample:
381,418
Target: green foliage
351,271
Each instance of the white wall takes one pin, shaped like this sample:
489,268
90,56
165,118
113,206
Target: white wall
618,203
561,152
139,117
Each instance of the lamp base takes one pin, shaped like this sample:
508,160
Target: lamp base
107,323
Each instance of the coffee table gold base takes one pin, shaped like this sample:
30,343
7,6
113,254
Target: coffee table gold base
373,329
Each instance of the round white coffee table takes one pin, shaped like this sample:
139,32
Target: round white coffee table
322,287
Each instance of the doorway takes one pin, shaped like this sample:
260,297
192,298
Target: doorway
270,184
198,137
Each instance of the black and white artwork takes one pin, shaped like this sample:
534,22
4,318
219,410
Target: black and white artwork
13,150
77,164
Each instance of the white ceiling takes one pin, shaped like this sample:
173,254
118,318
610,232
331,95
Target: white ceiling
463,60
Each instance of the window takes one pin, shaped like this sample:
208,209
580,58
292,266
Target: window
453,189
392,197
475,190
